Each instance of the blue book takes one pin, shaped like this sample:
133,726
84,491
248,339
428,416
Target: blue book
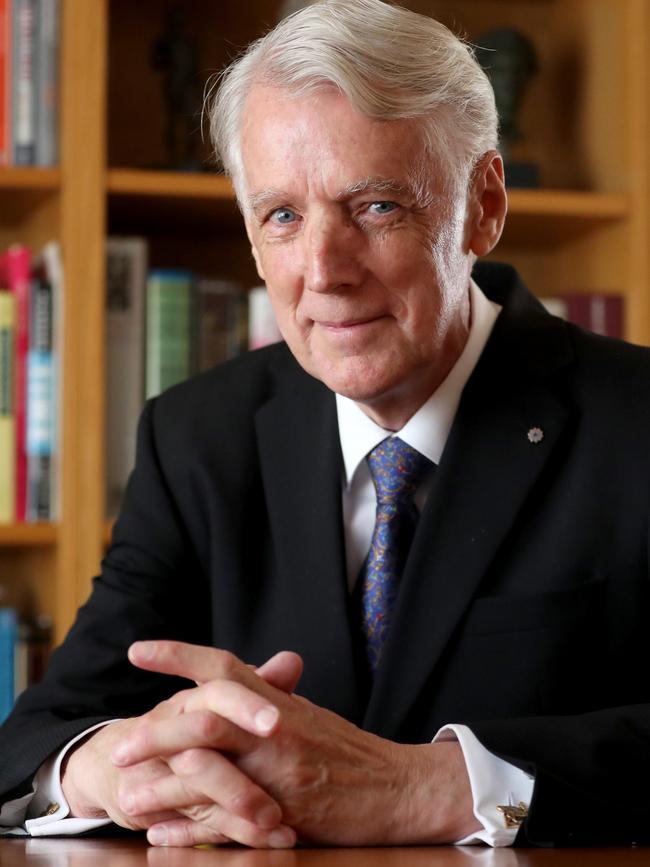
8,636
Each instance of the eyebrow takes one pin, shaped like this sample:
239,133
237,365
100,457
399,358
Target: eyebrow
257,202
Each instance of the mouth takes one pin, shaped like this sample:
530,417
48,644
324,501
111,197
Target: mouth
348,324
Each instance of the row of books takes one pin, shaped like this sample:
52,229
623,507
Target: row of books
599,312
162,326
24,652
31,297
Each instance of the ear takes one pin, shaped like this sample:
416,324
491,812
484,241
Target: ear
254,251
487,205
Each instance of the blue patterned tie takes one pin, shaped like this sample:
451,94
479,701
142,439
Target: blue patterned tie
396,470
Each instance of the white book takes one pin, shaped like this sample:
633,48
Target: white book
126,277
262,324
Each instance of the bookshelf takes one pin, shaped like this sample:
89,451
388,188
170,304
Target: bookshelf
585,123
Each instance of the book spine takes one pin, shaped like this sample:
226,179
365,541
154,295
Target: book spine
47,91
40,388
8,638
262,325
24,83
168,329
126,275
18,273
4,76
7,418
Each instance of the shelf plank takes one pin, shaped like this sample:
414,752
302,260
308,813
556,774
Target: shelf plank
157,184
29,178
28,535
189,185
568,204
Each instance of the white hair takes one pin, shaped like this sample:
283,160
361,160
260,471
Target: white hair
389,62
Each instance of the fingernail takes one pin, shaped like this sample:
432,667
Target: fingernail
281,838
269,816
144,649
157,836
120,755
266,718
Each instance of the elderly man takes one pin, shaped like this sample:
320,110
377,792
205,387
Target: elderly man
434,498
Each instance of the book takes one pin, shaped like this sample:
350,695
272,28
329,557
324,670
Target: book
262,324
5,61
599,312
221,322
169,303
47,83
7,417
31,651
126,277
44,386
18,264
23,78
8,636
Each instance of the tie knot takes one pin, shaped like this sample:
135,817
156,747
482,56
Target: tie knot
396,469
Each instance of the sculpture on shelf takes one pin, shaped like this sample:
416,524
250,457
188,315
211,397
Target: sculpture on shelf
509,61
175,54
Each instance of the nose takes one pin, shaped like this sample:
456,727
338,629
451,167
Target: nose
332,254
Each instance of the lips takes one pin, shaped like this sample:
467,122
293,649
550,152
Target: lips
347,323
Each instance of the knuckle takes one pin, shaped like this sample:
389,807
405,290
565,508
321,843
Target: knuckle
243,802
227,663
190,762
206,725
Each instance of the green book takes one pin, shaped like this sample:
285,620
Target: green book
168,352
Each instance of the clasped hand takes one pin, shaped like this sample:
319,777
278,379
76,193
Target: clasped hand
240,758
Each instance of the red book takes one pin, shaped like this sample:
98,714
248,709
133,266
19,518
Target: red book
18,260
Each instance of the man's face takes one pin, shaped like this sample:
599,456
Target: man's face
362,249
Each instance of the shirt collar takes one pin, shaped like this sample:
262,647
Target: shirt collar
427,430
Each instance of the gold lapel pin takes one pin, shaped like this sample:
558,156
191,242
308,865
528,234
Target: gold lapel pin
535,435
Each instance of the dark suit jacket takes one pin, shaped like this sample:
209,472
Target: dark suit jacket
523,609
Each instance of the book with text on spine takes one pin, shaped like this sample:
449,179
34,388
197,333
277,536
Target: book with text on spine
18,265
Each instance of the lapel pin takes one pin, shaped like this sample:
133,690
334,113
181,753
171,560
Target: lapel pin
535,435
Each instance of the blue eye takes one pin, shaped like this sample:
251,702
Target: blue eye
283,216
382,207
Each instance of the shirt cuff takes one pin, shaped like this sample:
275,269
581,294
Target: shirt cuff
494,782
45,811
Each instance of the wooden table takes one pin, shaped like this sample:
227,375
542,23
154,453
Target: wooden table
95,852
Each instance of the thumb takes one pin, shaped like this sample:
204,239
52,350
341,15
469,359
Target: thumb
283,671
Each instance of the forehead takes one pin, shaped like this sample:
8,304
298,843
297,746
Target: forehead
319,140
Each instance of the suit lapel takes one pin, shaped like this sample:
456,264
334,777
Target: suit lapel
301,466
488,470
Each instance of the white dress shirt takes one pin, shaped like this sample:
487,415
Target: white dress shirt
492,780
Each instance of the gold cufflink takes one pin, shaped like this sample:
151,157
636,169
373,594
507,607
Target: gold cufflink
50,810
513,815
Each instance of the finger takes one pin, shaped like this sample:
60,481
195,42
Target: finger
217,714
191,661
212,824
202,776
283,671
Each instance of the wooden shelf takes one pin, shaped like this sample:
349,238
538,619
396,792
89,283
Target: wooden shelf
157,202
572,204
32,535
29,179
157,184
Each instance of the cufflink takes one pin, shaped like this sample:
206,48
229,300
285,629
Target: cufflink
513,815
50,810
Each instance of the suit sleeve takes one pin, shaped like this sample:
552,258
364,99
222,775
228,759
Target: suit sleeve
150,586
